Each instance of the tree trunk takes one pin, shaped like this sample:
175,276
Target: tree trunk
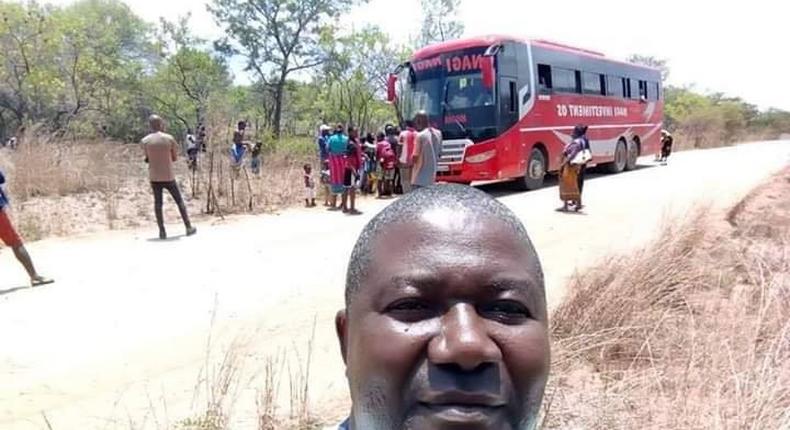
278,103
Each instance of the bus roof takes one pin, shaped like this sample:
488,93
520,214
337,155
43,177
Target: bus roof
460,44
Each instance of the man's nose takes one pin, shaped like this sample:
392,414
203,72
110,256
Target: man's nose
463,340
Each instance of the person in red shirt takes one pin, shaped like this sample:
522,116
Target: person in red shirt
389,162
352,172
406,162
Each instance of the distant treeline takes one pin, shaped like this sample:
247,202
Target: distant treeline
95,69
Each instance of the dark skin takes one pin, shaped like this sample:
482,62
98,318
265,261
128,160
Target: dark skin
449,331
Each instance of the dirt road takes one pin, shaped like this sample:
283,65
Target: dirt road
120,340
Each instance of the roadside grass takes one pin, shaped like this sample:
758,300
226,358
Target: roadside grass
218,388
692,332
60,187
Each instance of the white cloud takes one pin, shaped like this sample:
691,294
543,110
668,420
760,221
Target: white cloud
737,47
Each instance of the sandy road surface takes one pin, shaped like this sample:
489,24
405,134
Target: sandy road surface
120,340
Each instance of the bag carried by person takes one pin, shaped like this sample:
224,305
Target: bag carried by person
583,157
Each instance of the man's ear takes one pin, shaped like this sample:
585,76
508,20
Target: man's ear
341,326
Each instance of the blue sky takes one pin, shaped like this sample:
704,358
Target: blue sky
739,48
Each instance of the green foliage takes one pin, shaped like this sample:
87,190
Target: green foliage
714,117
277,38
440,21
95,69
654,62
355,79
188,80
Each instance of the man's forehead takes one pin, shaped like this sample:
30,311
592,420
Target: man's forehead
451,234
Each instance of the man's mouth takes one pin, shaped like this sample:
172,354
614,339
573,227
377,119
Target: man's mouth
462,407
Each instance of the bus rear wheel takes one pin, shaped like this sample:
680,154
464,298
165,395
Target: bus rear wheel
620,158
536,172
633,155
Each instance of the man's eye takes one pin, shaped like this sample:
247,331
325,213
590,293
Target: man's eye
410,310
506,311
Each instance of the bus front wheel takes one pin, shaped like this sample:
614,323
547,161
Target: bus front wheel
536,172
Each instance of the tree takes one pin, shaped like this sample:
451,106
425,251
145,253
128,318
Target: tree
654,62
276,37
355,78
27,44
189,78
103,51
440,21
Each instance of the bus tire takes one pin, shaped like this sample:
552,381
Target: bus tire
536,171
620,158
633,155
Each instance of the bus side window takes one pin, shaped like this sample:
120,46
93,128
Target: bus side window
633,92
513,97
615,86
544,79
626,88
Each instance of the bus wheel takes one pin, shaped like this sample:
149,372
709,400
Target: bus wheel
633,156
620,158
536,171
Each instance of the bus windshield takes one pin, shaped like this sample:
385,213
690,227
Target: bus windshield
457,102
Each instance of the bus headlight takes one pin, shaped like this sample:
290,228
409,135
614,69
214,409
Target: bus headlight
481,157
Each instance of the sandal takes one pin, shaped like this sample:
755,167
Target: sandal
40,280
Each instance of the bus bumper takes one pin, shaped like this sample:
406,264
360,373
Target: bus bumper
466,173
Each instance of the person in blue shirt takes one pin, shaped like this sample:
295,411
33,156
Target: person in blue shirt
322,142
10,238
445,324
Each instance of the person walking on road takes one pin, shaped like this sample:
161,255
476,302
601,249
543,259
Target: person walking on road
11,239
161,151
580,132
425,155
666,146
570,181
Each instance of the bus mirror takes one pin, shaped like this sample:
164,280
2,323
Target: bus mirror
487,65
391,87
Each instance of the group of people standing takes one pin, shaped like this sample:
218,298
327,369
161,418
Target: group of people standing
393,162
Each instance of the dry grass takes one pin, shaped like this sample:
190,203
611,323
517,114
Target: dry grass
217,393
692,332
61,188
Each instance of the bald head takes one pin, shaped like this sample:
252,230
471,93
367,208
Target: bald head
156,123
445,295
421,120
427,205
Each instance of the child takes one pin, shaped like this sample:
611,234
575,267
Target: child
255,159
326,180
309,187
191,150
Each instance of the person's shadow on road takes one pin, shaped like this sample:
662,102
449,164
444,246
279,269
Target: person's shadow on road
22,288
169,239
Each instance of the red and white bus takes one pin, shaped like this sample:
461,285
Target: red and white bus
507,107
